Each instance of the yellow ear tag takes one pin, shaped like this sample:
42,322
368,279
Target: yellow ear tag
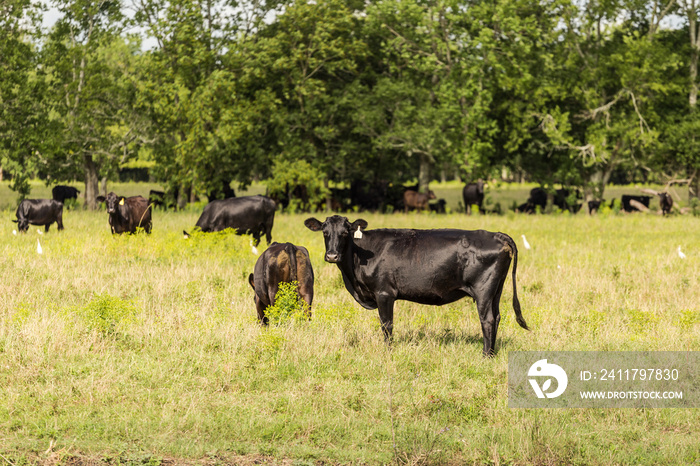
358,233
121,202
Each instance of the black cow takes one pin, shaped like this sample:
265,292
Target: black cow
593,206
248,215
628,207
39,212
473,194
61,193
126,214
666,202
415,200
281,263
423,266
538,198
438,207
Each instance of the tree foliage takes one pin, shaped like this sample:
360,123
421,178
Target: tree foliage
559,92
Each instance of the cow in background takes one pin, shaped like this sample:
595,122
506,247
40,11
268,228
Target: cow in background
438,207
60,193
253,215
473,194
629,206
39,212
281,263
665,202
126,214
415,200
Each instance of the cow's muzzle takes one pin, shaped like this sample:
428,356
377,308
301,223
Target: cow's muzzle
332,257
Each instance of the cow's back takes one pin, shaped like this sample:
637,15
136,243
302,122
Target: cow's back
242,213
420,265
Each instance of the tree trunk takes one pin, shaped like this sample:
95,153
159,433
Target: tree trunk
694,186
424,173
103,186
182,196
91,182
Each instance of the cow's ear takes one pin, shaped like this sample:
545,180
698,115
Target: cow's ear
251,281
313,224
359,223
121,201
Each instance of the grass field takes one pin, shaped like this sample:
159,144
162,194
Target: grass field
146,350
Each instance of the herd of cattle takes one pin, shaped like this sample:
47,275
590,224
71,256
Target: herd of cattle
378,267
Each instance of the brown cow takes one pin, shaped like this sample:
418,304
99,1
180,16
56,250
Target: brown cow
415,200
126,214
281,263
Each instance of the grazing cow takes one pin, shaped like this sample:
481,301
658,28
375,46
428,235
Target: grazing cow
126,214
438,207
666,202
473,194
61,193
39,212
281,263
415,200
248,215
423,266
627,206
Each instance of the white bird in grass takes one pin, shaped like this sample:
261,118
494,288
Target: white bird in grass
527,245
39,231
38,247
14,232
254,249
680,253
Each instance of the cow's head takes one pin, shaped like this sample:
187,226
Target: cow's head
112,201
337,231
22,224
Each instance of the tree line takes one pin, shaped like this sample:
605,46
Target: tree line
326,92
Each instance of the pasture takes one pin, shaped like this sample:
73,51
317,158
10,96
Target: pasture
146,349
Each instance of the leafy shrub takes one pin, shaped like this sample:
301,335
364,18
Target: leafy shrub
288,307
106,314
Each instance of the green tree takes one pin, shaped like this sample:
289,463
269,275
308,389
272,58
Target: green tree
24,126
89,65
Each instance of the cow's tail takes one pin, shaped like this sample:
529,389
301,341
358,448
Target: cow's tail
516,303
292,254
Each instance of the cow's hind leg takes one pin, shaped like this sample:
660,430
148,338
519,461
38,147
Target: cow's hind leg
46,227
487,304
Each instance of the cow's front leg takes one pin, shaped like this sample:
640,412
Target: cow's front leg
385,303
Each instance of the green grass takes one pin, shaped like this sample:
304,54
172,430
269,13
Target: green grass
146,349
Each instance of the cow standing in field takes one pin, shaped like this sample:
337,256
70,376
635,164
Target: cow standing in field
281,263
423,266
39,212
126,214
473,194
629,206
415,200
665,202
253,215
60,193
